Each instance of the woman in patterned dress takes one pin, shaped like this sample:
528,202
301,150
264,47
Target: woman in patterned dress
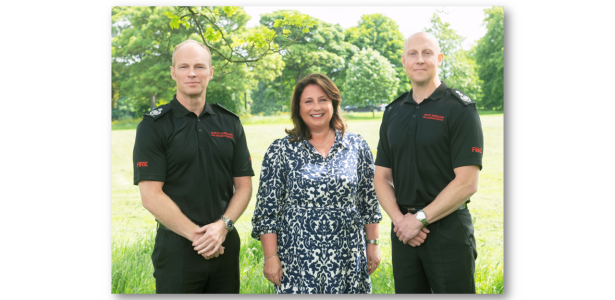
316,206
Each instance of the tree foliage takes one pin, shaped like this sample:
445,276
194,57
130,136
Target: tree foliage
141,48
321,50
215,26
458,67
370,79
490,58
143,39
382,34
265,100
450,43
287,45
464,75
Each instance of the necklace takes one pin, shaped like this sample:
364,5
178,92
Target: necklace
328,139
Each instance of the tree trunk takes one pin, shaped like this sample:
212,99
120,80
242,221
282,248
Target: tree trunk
152,102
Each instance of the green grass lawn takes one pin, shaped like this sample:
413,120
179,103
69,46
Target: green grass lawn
133,227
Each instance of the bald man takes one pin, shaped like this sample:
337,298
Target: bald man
429,158
193,168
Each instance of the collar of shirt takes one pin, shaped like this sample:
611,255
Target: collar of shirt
179,110
437,94
339,142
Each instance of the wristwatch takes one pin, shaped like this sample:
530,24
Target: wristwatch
420,215
229,223
375,242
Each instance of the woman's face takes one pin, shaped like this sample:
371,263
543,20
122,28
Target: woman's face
315,108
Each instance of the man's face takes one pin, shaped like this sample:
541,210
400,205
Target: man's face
315,108
421,59
192,71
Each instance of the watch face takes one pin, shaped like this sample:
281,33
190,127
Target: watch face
420,215
229,224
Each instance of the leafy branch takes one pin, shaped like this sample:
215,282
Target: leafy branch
259,43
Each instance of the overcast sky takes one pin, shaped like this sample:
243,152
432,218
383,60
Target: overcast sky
466,20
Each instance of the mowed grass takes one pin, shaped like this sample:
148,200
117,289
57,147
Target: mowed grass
133,227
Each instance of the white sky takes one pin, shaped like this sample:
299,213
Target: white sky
466,20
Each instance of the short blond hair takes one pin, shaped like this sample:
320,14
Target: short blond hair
186,42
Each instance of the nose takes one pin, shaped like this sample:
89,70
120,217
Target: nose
420,59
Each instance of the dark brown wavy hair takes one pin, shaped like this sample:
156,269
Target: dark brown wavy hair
301,131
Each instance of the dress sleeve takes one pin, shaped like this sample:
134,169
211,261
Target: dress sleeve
367,201
271,192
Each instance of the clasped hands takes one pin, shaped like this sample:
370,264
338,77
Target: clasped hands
411,231
209,244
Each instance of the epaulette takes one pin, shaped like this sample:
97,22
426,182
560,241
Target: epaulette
155,113
462,97
232,113
404,95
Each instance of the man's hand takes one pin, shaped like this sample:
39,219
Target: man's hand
213,237
420,238
273,270
220,252
408,228
373,257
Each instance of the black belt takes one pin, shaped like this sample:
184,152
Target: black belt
414,210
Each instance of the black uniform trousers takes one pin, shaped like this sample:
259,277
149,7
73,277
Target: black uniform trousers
444,263
180,269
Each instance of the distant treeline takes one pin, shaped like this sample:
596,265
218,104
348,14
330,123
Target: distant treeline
256,67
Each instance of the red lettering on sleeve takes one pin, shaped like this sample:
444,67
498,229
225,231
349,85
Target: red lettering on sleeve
476,149
141,164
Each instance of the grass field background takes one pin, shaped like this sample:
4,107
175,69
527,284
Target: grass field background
133,227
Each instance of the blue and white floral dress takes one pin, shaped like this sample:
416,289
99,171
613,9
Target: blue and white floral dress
318,207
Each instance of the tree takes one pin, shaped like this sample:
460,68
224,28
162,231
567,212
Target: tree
143,39
321,50
265,99
464,75
370,79
458,67
212,25
450,43
141,49
382,34
490,58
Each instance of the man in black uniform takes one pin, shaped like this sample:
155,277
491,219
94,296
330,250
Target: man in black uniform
429,157
188,156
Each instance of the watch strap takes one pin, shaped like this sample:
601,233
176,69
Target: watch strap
228,223
423,220
375,242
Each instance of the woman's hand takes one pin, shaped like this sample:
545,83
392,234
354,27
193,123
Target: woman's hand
273,270
373,257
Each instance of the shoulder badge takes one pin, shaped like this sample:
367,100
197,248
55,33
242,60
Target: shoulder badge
461,96
226,109
155,113
402,96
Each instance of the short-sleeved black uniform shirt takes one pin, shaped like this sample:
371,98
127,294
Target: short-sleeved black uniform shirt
423,143
195,157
